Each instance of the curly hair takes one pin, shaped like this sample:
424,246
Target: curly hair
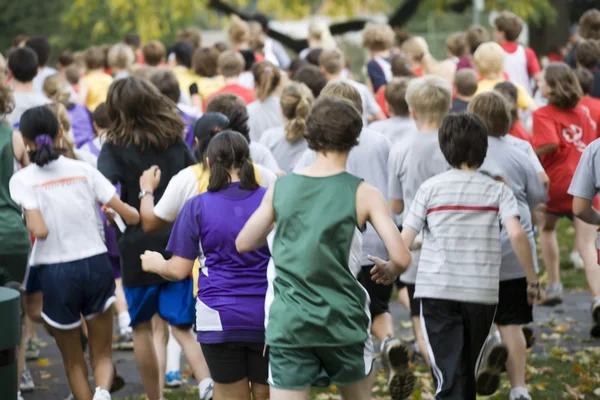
7,102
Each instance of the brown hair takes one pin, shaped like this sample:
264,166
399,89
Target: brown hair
417,49
141,116
332,60
334,124
166,82
154,53
589,24
205,62
401,66
267,78
466,82
587,53
230,64
457,44
238,31
192,35
229,150
72,74
234,108
312,77
62,115
296,101
55,90
346,91
511,94
378,37
7,102
586,80
395,96
476,35
509,24
94,58
144,72
65,58
565,91
493,110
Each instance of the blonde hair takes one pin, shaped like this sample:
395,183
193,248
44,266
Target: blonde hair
296,101
63,119
238,31
489,59
319,35
344,90
267,78
56,90
2,67
417,50
257,36
120,56
429,98
378,37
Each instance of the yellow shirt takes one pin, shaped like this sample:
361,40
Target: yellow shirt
524,100
208,86
185,77
97,89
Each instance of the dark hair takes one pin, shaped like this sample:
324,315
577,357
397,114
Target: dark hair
493,110
205,129
141,116
100,116
23,64
234,108
509,24
166,81
183,53
312,77
295,65
476,35
42,48
133,39
40,125
565,91
262,20
95,57
313,56
511,94
249,59
466,82
395,96
229,150
587,54
463,140
154,53
586,80
192,35
401,66
334,124
205,61
18,41
72,74
589,24
221,46
267,78
65,58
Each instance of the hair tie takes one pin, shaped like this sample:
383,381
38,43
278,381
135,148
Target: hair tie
43,140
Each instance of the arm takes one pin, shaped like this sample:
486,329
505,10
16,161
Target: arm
148,183
520,243
36,224
583,187
174,269
582,209
395,192
129,214
397,206
545,149
254,234
19,149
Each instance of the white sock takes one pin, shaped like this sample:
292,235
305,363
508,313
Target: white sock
124,322
498,335
517,392
173,353
204,384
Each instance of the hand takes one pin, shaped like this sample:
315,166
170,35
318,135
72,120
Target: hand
533,292
150,179
109,213
384,272
152,261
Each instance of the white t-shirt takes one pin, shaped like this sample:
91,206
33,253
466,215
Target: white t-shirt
260,154
38,81
66,192
184,186
23,102
370,106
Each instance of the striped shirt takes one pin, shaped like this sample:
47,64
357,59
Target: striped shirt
460,213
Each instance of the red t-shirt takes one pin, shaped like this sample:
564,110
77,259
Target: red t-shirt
246,94
571,131
533,65
591,106
519,131
380,98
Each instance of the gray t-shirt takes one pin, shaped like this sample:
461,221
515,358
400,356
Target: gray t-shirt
261,155
264,115
396,128
527,148
286,153
522,178
23,102
368,161
586,181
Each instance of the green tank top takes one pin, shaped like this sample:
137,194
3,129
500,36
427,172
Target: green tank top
14,237
314,298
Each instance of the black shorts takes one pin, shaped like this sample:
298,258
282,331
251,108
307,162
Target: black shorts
234,361
380,294
513,308
399,284
415,304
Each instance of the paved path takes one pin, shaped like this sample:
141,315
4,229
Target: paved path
566,325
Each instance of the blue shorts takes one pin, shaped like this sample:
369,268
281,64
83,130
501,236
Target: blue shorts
74,289
32,280
173,301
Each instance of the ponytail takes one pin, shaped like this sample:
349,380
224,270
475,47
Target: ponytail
56,90
219,176
229,150
247,176
44,152
296,102
267,78
40,125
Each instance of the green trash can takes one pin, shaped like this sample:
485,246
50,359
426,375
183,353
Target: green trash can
10,320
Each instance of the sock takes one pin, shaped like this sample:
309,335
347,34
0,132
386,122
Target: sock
383,344
124,322
498,335
204,384
517,392
173,354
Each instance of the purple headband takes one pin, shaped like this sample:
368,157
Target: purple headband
43,140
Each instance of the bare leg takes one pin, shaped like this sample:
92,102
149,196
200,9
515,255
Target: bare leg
121,303
259,392
585,241
282,394
193,352
416,321
100,330
147,363
160,335
360,390
514,340
33,306
239,390
75,365
549,248
403,298
383,326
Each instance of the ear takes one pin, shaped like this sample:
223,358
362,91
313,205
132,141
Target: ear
207,163
413,115
389,109
196,142
60,134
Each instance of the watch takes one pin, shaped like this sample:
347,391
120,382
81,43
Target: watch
144,193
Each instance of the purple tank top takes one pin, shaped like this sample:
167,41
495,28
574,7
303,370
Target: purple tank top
81,123
189,128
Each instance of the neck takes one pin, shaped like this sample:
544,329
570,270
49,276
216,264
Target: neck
333,77
381,53
234,175
22,86
96,71
427,126
466,167
231,80
331,162
493,76
463,98
101,133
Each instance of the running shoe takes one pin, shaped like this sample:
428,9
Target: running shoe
554,295
125,341
27,384
118,381
519,393
32,349
207,393
173,379
19,397
101,394
491,364
576,260
596,318
401,380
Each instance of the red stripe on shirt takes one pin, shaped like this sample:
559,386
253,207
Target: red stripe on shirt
462,208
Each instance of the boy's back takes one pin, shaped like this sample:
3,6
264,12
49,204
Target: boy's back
23,102
395,128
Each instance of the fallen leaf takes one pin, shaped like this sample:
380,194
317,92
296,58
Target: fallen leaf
44,362
45,375
560,328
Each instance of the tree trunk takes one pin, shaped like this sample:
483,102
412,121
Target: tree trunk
548,36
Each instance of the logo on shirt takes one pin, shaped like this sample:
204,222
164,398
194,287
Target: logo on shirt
573,135
589,114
